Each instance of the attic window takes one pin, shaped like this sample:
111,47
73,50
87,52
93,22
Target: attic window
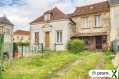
46,17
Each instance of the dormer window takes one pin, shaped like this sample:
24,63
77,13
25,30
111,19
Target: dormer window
46,17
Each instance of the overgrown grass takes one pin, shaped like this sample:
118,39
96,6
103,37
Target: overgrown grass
108,61
80,71
36,67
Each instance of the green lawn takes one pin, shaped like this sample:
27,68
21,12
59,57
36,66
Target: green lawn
80,71
46,67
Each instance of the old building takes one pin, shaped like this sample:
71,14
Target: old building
93,25
114,13
52,29
6,27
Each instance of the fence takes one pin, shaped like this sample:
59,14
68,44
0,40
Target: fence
40,47
25,49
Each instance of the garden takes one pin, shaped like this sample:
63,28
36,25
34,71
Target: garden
55,65
72,64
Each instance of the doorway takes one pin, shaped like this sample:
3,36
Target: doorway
98,42
47,38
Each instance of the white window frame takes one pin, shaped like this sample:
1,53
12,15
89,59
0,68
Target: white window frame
97,20
85,22
59,36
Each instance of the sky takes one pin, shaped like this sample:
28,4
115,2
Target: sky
22,12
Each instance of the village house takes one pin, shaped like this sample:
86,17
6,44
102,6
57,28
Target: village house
52,29
21,36
90,23
93,25
6,28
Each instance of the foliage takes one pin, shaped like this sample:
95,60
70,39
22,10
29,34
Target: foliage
23,43
108,63
75,46
14,49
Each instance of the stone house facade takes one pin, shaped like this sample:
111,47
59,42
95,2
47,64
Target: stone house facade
93,25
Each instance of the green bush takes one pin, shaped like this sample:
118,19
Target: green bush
75,45
23,43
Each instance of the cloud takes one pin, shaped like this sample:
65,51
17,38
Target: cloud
21,12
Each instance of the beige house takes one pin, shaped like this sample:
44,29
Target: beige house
21,36
93,25
52,29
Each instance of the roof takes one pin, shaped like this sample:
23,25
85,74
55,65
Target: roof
93,8
21,32
89,34
113,2
5,20
56,14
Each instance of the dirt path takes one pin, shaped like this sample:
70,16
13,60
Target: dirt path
98,66
69,66
63,70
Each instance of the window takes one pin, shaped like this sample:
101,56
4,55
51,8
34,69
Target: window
36,37
97,21
85,22
46,17
59,36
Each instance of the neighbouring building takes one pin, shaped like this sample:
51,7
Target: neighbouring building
93,25
114,14
52,29
21,36
7,27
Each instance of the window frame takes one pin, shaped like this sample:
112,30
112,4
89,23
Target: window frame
85,22
97,21
59,36
36,37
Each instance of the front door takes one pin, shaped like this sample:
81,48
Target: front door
98,42
47,39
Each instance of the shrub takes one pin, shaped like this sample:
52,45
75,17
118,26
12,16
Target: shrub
75,45
23,43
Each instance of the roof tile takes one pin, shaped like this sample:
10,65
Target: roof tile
21,32
56,14
93,8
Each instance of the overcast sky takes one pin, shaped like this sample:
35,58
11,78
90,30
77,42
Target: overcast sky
21,12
